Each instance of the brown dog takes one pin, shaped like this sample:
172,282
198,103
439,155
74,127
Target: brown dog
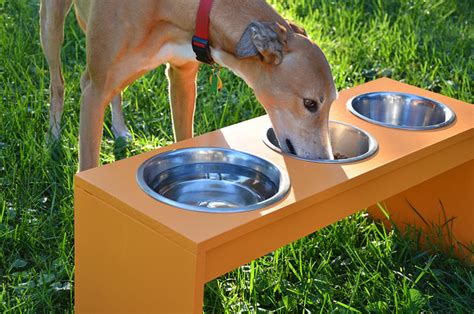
125,39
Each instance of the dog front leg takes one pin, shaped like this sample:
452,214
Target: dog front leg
93,104
182,86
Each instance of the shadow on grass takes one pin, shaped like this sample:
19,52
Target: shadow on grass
121,148
55,164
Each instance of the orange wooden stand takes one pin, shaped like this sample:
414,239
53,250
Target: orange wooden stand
134,253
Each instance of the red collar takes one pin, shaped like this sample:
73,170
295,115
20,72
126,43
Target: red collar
200,40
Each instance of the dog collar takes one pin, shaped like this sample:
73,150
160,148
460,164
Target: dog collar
200,41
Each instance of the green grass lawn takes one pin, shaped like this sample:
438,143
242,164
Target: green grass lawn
355,265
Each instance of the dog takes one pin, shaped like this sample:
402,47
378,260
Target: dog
288,72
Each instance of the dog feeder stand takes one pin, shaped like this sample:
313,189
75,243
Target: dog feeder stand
135,254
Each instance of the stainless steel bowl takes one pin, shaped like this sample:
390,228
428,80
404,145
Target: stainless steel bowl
213,180
349,144
401,111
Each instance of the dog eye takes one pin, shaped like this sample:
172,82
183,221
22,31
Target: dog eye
311,105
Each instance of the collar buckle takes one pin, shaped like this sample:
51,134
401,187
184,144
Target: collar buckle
202,49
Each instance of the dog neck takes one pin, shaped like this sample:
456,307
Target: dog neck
228,21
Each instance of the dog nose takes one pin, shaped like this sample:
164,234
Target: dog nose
290,146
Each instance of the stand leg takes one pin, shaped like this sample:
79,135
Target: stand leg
453,220
124,266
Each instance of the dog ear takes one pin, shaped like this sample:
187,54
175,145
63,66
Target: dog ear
264,39
297,29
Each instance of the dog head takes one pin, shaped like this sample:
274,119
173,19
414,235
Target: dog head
292,79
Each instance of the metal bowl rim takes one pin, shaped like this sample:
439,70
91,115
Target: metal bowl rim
448,111
283,188
373,148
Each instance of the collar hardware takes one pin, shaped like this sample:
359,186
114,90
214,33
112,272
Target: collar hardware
202,49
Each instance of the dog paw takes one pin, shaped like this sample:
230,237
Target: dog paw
52,137
122,134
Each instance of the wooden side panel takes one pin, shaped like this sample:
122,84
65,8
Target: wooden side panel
123,266
455,189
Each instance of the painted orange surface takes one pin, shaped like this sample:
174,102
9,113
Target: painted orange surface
122,266
321,194
443,209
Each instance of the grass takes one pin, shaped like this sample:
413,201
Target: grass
355,265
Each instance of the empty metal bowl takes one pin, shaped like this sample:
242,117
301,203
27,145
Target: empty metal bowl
401,111
215,180
349,144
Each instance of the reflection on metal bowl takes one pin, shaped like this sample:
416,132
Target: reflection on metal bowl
401,111
214,180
